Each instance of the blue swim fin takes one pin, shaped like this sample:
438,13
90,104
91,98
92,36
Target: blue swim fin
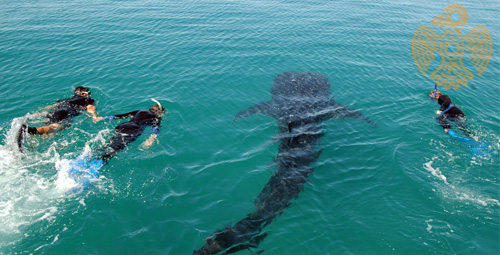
94,167
83,169
477,148
467,141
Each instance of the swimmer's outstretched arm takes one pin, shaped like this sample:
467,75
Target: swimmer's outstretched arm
54,105
152,138
95,117
146,144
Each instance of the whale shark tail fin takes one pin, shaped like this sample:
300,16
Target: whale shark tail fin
245,234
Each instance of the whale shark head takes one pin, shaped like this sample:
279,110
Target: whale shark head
301,98
296,96
300,86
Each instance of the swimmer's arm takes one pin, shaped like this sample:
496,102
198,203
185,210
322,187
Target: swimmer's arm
146,144
152,138
54,105
92,109
96,118
126,115
48,107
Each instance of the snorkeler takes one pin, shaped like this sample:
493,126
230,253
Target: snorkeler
61,113
87,166
129,131
448,112
64,111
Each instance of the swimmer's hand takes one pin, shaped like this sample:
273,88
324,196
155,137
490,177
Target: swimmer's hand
439,112
92,109
146,144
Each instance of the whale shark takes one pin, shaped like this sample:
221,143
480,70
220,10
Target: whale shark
300,102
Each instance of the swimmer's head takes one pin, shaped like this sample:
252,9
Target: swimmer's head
82,91
436,97
157,109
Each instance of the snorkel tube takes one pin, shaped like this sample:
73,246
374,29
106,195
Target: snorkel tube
156,101
435,90
156,129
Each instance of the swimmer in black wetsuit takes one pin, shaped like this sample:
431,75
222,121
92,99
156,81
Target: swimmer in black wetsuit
448,113
63,111
129,131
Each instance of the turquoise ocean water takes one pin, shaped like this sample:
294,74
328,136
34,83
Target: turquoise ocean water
404,187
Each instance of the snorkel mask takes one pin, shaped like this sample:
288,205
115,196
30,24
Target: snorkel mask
82,91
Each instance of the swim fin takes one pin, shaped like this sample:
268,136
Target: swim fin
477,148
20,136
83,169
94,167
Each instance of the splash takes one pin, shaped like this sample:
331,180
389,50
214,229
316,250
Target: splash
28,195
459,189
435,171
35,185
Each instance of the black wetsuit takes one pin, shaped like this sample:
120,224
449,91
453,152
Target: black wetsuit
450,112
69,108
128,132
65,110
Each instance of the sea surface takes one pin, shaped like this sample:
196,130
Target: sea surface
403,187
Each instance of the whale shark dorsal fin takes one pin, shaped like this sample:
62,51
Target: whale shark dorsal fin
262,107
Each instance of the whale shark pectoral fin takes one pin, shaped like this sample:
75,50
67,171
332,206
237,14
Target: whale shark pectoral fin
344,112
263,107
317,154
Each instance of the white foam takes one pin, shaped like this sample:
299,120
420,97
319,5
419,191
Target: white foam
458,191
429,226
29,191
35,183
435,171
63,181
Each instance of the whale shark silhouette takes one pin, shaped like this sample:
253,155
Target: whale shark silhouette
300,101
